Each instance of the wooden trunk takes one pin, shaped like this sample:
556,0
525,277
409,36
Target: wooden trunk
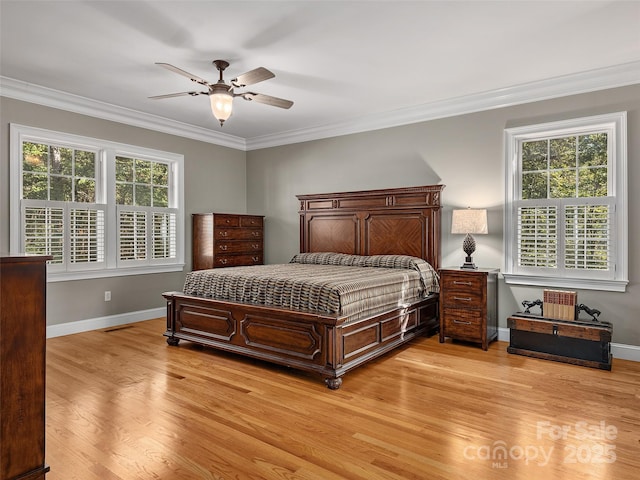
579,342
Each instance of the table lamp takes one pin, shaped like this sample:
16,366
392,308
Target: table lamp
469,221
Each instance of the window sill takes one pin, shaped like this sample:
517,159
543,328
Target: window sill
114,272
558,282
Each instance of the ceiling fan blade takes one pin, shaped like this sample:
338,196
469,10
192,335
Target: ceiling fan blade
181,94
254,76
190,76
267,99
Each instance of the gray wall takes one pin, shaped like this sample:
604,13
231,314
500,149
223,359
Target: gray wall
215,180
465,153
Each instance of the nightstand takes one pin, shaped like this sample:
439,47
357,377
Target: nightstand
469,305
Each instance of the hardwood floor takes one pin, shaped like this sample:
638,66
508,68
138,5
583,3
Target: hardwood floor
121,404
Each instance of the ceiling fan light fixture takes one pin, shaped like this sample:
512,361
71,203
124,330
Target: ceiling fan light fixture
221,105
221,95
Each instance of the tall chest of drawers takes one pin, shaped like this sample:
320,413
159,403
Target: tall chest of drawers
23,331
469,305
227,240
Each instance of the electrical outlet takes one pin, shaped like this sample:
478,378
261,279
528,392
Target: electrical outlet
107,296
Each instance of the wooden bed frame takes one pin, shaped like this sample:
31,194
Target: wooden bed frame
393,221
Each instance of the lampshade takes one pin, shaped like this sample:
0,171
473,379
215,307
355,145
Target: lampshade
469,221
221,105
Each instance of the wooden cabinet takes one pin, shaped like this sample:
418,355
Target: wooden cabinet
23,282
469,305
227,240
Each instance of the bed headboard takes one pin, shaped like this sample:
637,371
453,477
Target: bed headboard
401,221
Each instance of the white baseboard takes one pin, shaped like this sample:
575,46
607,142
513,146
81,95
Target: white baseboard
104,322
618,350
503,334
625,352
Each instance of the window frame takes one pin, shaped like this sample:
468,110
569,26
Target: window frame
105,199
616,126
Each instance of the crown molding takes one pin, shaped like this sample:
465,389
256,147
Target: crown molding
49,97
572,84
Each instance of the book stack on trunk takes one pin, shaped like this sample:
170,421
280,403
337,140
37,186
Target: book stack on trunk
559,304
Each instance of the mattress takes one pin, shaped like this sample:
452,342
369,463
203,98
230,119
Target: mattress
334,283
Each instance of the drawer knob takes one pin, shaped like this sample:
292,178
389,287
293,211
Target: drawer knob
256,246
255,234
255,259
223,261
463,299
223,247
224,234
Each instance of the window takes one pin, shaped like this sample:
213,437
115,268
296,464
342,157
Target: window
98,208
146,224
566,204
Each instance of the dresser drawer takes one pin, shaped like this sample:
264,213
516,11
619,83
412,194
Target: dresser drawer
462,323
238,260
239,246
226,220
238,234
248,222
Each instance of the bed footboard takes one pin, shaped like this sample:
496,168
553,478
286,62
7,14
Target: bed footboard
327,345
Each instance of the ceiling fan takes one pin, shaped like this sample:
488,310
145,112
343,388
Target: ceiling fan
222,94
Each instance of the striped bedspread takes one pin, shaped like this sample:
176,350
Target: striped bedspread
350,285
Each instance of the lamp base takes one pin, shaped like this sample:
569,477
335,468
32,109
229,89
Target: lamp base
468,264
469,246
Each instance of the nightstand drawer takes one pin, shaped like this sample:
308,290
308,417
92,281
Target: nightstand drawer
462,282
464,324
462,298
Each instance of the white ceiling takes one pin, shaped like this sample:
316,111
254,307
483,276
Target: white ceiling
343,63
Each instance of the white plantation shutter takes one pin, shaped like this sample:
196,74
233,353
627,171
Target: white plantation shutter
586,228
73,233
44,232
537,232
147,235
86,236
164,235
588,237
132,234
